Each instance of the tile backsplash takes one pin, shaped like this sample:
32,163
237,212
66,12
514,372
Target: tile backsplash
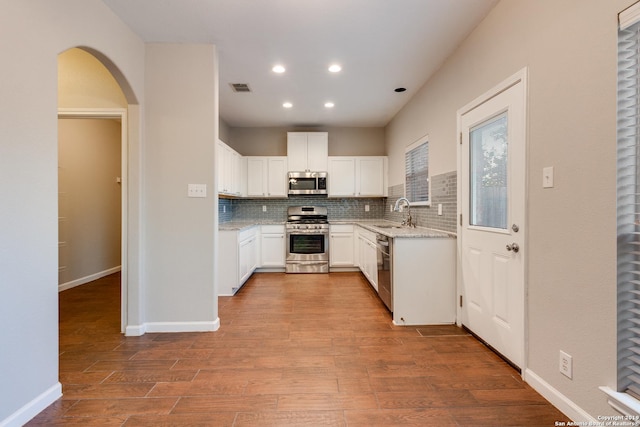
443,191
276,209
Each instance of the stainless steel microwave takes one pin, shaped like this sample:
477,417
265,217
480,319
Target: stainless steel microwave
307,183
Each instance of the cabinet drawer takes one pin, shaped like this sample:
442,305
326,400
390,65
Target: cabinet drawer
369,235
248,233
341,228
272,229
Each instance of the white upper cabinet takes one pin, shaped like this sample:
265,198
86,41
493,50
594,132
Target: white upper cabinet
266,176
357,176
230,176
342,177
370,176
307,151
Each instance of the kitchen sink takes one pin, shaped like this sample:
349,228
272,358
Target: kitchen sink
387,226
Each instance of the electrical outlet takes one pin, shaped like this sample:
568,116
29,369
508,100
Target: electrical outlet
440,209
264,208
566,365
391,208
224,209
366,208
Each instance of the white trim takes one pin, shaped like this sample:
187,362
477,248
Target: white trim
87,279
557,399
417,142
629,16
135,330
622,402
33,408
520,76
114,113
173,327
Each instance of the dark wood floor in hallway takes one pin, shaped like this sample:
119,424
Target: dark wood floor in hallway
292,350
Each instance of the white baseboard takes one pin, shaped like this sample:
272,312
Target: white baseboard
33,408
138,330
87,279
135,330
557,399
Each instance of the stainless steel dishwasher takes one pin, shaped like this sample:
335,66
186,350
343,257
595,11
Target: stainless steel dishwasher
384,246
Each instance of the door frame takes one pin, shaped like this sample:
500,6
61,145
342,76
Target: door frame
121,114
520,77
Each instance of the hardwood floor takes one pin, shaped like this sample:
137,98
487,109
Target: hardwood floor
292,350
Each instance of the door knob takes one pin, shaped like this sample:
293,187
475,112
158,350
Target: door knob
513,247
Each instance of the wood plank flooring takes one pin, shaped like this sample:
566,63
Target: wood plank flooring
292,350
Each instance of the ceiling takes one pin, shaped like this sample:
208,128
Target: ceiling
380,44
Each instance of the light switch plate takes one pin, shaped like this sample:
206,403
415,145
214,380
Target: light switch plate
197,190
547,177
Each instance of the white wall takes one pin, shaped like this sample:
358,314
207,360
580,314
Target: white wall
181,134
32,34
569,47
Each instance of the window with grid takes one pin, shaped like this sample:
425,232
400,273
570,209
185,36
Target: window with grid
416,167
628,201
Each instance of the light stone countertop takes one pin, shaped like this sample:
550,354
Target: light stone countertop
397,231
241,225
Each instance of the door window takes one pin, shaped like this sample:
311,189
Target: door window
488,157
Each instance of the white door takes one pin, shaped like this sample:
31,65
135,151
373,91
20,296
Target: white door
491,233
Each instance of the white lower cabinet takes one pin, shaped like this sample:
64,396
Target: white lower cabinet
272,246
368,256
424,281
341,245
238,258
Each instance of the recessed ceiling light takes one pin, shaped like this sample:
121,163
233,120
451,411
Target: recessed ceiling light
287,105
278,69
329,104
335,68
400,89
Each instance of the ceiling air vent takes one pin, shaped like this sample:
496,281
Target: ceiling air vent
240,87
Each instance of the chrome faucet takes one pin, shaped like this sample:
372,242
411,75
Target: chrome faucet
409,221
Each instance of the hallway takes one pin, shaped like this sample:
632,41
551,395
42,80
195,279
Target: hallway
292,350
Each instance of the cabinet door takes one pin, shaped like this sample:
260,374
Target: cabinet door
372,264
341,253
234,173
256,176
244,260
297,151
342,174
370,176
221,156
317,151
248,258
273,250
277,177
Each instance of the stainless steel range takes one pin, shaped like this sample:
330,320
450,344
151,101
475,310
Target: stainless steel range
307,231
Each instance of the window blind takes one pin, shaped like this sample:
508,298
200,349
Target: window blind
628,201
416,166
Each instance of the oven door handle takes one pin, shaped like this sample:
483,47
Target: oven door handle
306,262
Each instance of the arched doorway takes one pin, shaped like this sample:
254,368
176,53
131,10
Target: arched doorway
93,115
